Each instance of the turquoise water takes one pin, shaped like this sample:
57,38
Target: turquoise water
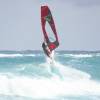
28,75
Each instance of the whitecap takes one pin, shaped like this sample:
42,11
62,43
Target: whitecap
11,55
79,55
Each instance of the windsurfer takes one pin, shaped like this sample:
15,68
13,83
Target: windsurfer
48,46
46,49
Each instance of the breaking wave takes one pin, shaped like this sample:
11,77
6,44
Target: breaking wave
65,81
79,55
16,55
30,80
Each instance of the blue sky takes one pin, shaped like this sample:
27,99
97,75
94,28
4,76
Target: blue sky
77,23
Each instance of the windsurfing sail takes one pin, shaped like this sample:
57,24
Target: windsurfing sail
46,17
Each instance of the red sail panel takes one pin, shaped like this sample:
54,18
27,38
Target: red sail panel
46,16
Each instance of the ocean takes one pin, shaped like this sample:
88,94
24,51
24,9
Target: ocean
29,75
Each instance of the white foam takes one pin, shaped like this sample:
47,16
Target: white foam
79,55
11,55
15,55
65,71
47,88
32,55
70,73
65,81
